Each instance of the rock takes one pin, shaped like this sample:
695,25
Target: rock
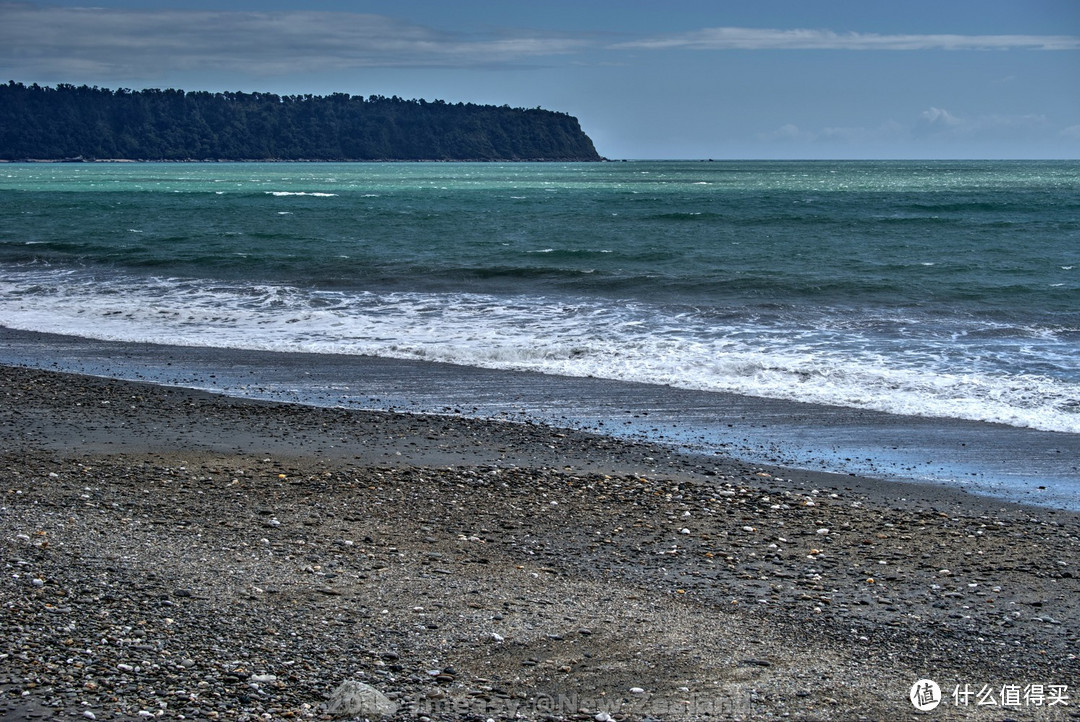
356,699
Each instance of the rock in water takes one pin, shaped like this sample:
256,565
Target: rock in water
356,699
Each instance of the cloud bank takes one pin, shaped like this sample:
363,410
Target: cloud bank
131,43
933,125
771,39
137,43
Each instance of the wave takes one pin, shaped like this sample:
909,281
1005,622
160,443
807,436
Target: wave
300,193
984,371
685,216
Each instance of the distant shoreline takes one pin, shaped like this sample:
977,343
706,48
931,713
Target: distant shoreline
68,122
307,160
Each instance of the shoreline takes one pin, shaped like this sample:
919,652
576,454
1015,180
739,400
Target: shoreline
480,567
983,459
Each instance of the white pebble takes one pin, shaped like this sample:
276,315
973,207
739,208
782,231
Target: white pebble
684,530
637,690
823,531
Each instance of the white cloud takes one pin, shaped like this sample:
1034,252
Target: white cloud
930,127
942,122
849,135
103,43
730,38
940,117
788,132
134,43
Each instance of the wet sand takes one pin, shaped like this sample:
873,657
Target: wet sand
1014,464
178,553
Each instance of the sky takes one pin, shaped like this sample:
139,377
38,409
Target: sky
672,79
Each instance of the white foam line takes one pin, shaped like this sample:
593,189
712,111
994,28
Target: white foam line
585,338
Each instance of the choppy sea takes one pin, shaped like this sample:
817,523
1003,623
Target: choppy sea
930,290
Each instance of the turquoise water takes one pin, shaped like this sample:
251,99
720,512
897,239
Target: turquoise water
937,289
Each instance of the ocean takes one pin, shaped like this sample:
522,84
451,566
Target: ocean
938,292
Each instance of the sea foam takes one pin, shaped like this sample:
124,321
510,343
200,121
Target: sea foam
836,360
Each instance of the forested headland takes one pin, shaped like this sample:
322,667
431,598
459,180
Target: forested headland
90,123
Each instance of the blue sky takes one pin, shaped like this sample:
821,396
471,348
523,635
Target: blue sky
671,79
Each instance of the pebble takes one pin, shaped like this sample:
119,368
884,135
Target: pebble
105,607
358,699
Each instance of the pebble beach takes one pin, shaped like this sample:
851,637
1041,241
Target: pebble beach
175,554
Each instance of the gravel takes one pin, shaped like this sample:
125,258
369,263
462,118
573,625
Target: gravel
176,555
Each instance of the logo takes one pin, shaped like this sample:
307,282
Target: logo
925,695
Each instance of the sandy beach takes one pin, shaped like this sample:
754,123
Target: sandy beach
177,554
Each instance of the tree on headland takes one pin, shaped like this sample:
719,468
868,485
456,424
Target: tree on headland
81,122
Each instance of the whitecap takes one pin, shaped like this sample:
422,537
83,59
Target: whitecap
300,193
839,363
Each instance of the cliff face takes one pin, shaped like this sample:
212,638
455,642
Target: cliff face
92,123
